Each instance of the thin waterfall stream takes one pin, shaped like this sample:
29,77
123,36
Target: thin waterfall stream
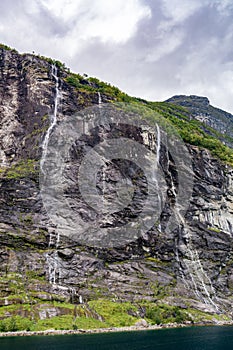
158,148
57,97
54,238
54,273
158,144
200,282
99,98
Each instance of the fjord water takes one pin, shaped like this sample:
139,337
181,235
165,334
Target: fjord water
194,338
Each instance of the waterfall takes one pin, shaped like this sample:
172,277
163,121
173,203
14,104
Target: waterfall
53,270
52,260
173,187
99,99
158,148
104,166
53,117
201,283
72,291
199,278
158,144
104,187
53,267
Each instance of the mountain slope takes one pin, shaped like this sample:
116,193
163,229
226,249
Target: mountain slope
177,273
200,109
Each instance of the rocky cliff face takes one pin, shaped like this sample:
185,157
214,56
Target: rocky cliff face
189,265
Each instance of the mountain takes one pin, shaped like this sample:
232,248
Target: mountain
200,109
179,270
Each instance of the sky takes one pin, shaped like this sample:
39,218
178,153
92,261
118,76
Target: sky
152,49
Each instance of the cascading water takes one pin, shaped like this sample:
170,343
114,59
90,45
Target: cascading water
158,144
104,186
173,187
158,148
99,98
54,271
104,166
52,260
53,118
201,283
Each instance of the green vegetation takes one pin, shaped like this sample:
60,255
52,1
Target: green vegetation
18,296
200,316
218,116
18,323
5,47
214,229
74,80
101,313
95,85
155,260
115,314
57,322
98,313
22,169
159,290
191,131
57,63
68,322
15,323
37,131
162,314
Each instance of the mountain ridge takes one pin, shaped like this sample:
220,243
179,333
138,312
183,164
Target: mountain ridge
201,110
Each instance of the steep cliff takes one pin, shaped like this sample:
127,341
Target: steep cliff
189,265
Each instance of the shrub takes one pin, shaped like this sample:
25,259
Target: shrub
160,314
15,323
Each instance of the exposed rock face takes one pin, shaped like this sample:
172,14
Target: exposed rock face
201,110
191,264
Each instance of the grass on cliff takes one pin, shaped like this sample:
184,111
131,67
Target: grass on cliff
7,48
101,313
115,314
23,169
162,314
15,323
90,84
192,131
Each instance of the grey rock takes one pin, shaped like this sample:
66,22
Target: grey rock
189,263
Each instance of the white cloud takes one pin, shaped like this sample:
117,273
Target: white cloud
165,47
63,9
149,48
170,33
223,5
180,10
206,72
176,12
113,21
65,27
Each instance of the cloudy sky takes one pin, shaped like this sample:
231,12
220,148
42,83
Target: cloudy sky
149,48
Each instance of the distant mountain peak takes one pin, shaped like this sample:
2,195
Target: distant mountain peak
200,109
189,99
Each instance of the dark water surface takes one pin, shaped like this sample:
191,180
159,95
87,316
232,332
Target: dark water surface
195,338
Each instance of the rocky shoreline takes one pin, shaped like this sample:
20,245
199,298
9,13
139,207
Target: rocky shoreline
110,330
